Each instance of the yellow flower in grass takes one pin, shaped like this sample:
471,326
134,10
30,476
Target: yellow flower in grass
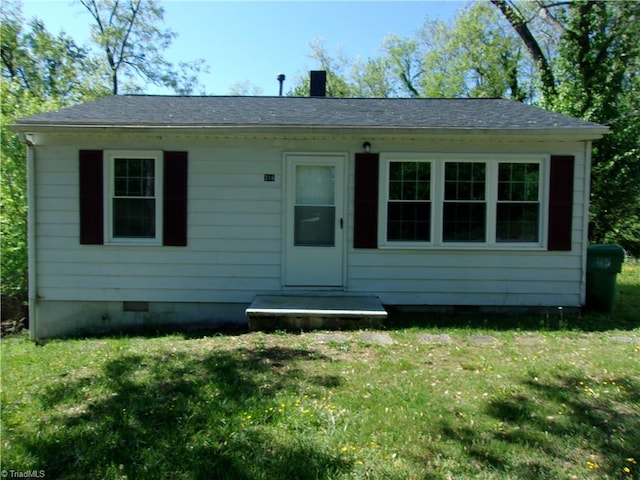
591,464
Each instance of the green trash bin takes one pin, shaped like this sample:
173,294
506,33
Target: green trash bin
604,262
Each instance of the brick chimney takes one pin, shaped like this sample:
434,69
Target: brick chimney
318,83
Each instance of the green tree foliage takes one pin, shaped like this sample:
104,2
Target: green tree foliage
44,65
40,72
478,57
595,74
475,56
132,43
13,205
338,84
371,78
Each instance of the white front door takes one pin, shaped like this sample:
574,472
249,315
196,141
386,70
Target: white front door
314,220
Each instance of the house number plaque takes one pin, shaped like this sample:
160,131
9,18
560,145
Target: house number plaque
269,177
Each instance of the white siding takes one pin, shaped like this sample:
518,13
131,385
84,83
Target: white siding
489,277
235,233
469,278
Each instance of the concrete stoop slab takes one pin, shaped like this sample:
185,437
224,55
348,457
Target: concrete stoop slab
272,312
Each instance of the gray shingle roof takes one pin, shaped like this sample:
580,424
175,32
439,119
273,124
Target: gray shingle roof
193,111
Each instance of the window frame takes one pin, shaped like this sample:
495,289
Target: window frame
442,201
542,202
385,166
438,161
110,157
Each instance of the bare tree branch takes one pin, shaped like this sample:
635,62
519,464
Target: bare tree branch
520,26
409,84
551,19
92,7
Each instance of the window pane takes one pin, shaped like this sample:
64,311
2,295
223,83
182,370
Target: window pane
134,218
409,190
315,184
120,167
464,181
134,177
517,222
134,167
395,171
424,171
120,187
395,190
518,182
314,226
423,191
464,222
409,221
409,181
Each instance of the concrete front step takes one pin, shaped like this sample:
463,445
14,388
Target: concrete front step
296,312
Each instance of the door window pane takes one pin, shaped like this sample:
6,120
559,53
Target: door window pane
314,211
315,184
314,226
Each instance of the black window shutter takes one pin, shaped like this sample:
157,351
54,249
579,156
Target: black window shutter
174,216
91,198
365,228
560,203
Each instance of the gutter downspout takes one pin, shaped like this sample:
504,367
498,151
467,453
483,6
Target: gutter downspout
31,236
585,221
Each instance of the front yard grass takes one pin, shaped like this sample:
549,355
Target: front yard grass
552,401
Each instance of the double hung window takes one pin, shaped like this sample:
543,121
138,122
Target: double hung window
518,204
134,204
464,214
409,205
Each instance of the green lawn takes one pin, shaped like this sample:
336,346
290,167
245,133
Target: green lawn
556,398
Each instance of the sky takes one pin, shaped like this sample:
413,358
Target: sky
254,41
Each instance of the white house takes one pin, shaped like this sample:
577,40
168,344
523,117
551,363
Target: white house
181,210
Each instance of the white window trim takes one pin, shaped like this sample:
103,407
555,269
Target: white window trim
437,199
383,199
109,187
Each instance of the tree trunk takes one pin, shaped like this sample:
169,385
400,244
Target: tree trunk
519,24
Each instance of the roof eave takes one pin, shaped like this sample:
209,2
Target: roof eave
583,133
